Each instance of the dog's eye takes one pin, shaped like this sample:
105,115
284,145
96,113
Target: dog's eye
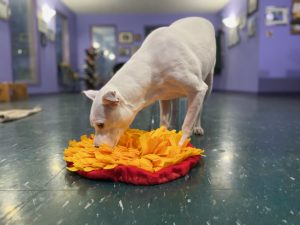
100,125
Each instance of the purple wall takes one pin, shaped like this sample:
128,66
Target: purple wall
47,65
261,63
240,66
279,67
46,56
256,64
132,23
5,53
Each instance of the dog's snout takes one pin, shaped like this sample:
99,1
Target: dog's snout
96,144
104,139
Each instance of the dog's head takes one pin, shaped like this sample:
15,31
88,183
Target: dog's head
109,116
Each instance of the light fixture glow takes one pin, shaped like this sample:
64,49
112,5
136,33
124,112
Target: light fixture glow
112,56
47,13
96,44
270,16
231,22
106,53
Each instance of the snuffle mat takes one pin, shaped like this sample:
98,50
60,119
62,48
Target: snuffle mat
140,157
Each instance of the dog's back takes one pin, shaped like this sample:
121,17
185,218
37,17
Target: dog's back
199,34
189,41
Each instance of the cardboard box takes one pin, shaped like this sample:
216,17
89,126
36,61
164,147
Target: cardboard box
10,92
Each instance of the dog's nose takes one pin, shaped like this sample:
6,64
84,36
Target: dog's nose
96,145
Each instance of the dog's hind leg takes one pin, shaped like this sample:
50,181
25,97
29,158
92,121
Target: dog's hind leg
209,82
195,104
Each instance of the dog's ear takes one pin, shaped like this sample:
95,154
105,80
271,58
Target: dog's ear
91,94
110,97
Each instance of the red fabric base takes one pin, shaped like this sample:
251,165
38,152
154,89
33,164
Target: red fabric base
137,176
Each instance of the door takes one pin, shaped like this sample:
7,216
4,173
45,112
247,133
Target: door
103,39
62,49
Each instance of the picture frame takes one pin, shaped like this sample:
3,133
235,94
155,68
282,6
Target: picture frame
295,17
137,37
232,37
124,52
125,37
276,16
252,7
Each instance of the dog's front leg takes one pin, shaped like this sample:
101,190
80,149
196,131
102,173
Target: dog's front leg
165,113
195,104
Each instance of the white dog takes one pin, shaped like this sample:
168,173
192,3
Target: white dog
173,62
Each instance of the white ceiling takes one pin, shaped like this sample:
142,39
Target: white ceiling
145,6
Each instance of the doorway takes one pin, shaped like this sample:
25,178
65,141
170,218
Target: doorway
23,41
103,39
62,47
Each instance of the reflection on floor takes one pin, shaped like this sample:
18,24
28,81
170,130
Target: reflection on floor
251,174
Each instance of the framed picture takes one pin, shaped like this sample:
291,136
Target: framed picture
232,37
125,37
295,21
137,37
252,6
124,52
251,27
276,16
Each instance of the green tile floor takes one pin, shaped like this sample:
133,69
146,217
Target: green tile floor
251,173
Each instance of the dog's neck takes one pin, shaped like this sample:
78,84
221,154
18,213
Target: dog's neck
133,83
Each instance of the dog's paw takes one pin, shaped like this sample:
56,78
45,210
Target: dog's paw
198,131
